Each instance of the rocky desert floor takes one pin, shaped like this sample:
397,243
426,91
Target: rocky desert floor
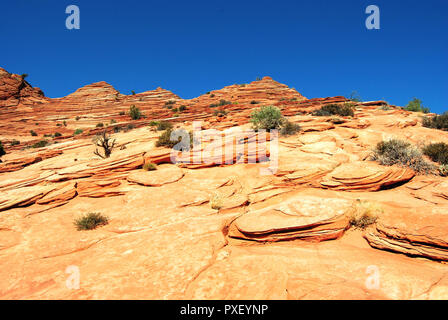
285,235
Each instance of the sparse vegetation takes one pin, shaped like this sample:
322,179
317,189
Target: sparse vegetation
364,213
254,102
437,152
2,150
401,153
416,106
220,113
335,109
133,92
91,221
40,144
221,103
443,170
57,134
77,118
149,167
100,125
164,125
216,201
14,142
267,118
77,131
122,113
289,128
135,113
24,75
355,97
182,108
33,133
183,142
437,122
106,143
113,121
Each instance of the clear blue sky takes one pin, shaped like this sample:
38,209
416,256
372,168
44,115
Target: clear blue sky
322,48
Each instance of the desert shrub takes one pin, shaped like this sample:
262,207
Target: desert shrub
130,126
77,118
221,103
134,113
254,102
385,107
122,113
212,95
437,152
437,122
77,131
57,134
216,201
58,124
179,143
416,106
164,125
175,109
355,97
133,92
40,144
335,109
401,153
100,125
2,150
106,143
113,121
149,167
154,123
443,170
364,213
91,221
64,123
289,128
219,113
14,142
268,118
182,108
33,133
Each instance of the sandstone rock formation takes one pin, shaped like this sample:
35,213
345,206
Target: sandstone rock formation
273,222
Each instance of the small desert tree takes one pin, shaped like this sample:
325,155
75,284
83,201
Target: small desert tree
416,106
135,113
106,143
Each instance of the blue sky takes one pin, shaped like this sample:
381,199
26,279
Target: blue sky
321,48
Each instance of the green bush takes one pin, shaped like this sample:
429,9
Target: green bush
77,131
14,142
149,167
33,133
40,144
100,125
135,113
113,121
437,152
182,108
437,122
91,221
401,153
267,118
57,134
416,106
335,109
289,128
